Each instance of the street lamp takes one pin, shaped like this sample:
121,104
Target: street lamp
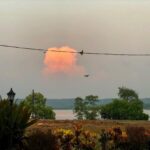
11,96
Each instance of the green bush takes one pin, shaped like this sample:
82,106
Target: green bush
14,119
128,106
123,110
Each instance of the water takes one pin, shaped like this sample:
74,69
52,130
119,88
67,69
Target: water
65,114
147,111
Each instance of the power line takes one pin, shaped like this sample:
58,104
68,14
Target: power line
18,47
79,52
35,49
119,54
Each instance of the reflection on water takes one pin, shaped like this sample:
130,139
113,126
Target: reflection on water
68,114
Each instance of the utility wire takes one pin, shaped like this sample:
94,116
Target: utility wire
79,52
37,49
119,54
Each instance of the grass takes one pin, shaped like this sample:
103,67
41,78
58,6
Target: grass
40,137
92,125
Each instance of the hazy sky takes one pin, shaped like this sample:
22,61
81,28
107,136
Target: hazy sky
117,26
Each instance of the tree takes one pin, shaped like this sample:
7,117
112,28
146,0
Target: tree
79,107
127,94
128,106
38,107
115,110
122,110
91,108
86,108
136,110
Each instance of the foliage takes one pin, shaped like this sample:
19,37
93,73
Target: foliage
91,108
38,107
14,119
104,138
79,107
65,137
77,140
118,109
135,138
39,140
122,109
127,107
127,94
86,108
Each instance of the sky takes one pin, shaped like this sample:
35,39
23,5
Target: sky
111,26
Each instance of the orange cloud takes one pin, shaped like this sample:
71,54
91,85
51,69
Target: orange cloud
62,62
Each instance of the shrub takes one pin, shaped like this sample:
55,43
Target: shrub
104,138
14,119
136,138
39,140
77,139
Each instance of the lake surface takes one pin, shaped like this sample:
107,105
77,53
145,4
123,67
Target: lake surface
64,114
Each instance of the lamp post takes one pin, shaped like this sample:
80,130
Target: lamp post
11,96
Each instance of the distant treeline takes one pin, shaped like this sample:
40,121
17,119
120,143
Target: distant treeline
146,106
69,103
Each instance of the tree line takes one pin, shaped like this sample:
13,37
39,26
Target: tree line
127,106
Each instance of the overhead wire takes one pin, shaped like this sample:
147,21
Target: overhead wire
35,49
79,52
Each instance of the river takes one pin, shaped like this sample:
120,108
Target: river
64,114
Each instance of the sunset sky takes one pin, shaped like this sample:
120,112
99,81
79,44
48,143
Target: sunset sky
115,26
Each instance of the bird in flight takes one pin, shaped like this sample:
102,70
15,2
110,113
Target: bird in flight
86,75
